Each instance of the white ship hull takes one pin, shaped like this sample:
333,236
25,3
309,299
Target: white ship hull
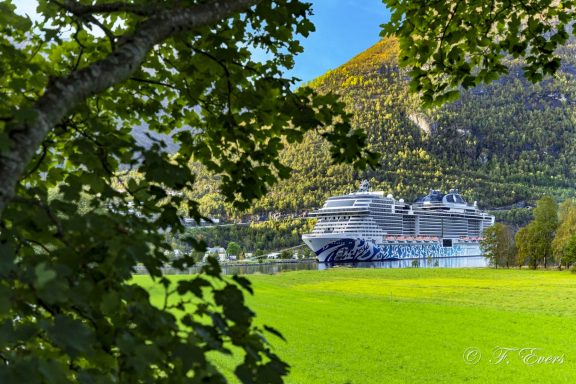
348,249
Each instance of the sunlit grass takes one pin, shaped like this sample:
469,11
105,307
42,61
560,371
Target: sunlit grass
413,325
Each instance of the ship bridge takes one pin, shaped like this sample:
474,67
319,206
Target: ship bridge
354,213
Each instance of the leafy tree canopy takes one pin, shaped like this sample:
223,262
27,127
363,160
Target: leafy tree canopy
546,212
75,223
534,241
464,43
562,243
498,245
233,249
570,251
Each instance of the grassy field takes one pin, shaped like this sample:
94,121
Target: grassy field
418,325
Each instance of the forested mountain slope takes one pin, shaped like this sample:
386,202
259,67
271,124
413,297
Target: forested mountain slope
501,143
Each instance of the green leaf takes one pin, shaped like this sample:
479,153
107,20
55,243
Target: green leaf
74,337
43,275
7,258
5,296
274,332
244,283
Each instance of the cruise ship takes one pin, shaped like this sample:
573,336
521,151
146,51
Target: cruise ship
371,226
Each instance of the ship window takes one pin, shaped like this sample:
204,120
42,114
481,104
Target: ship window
446,242
340,203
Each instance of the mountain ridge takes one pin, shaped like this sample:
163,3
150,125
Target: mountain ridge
500,143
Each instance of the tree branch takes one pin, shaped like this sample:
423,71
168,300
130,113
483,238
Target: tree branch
136,9
77,10
64,94
31,241
148,81
39,162
51,216
104,29
226,72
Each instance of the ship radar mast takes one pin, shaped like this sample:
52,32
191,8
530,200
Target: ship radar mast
364,186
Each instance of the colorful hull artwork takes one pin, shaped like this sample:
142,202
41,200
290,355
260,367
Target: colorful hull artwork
347,250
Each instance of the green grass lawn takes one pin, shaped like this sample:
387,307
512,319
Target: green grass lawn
414,325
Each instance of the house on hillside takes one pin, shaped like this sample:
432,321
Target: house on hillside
218,252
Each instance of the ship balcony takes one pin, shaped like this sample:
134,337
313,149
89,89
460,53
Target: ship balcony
411,239
356,211
468,239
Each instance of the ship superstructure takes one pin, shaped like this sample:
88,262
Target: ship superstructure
369,226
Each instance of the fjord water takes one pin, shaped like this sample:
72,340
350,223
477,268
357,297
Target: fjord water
307,265
439,262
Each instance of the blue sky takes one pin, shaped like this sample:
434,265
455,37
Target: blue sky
344,28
